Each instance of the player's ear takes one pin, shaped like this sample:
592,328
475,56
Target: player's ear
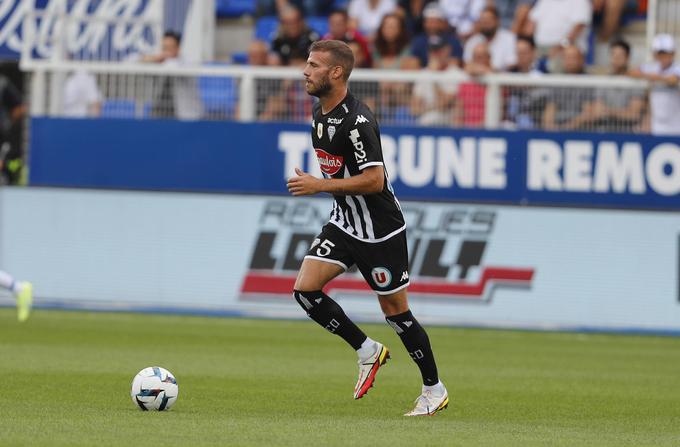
337,72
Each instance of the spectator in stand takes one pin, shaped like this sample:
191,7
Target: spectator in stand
569,108
513,14
307,7
12,113
338,29
664,98
173,97
608,13
618,109
293,37
469,110
502,43
556,24
435,24
367,15
82,97
524,104
258,52
433,102
392,52
290,101
366,90
463,15
412,12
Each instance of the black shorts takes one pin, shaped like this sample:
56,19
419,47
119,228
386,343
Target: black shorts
384,265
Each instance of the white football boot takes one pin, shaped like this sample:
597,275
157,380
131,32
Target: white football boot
368,368
432,400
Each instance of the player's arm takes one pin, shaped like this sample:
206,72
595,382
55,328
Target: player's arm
370,181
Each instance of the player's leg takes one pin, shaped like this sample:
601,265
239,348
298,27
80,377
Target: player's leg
23,291
434,396
328,257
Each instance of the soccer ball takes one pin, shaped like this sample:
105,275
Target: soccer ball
154,388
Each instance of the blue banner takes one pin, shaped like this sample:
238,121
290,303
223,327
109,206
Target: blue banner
514,167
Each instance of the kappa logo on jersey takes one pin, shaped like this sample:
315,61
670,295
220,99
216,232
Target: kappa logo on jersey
330,164
335,120
359,151
381,276
360,119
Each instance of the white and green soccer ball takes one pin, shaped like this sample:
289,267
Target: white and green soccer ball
154,388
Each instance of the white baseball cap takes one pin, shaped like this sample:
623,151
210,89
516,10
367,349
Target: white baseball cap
433,11
663,43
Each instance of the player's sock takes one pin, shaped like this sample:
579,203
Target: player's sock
417,344
322,309
367,348
7,282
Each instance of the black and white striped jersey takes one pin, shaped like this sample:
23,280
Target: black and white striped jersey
346,141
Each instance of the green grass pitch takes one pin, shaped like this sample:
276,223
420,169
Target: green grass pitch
65,380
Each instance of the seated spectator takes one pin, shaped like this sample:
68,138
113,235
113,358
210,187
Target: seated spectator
462,15
435,24
433,102
556,24
307,7
175,96
82,97
412,12
470,104
664,98
367,15
338,29
258,52
524,104
608,13
569,108
367,91
513,14
501,42
290,101
618,109
293,36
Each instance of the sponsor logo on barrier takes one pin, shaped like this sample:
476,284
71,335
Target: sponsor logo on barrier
447,249
330,164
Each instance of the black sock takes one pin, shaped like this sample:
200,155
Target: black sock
322,309
417,344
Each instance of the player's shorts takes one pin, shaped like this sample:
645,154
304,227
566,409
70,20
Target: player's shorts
384,265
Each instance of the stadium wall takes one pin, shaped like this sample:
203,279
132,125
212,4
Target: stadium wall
508,167
482,265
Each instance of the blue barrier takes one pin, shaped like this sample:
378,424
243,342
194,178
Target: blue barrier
539,168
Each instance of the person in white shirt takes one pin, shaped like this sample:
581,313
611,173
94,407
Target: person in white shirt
502,43
560,23
366,15
665,94
82,97
462,15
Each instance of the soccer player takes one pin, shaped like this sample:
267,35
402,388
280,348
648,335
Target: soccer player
22,291
366,226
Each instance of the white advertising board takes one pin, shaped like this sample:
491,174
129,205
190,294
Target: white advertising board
470,264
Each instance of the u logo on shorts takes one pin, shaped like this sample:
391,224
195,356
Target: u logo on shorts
381,276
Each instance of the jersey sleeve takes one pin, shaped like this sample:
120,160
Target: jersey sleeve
365,141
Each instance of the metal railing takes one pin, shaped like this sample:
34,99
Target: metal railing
449,99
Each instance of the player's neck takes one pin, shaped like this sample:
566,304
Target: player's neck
330,101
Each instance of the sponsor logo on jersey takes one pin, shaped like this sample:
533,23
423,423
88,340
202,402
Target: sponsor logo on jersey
319,130
360,119
359,152
330,164
331,132
335,120
381,276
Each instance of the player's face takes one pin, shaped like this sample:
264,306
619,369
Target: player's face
317,74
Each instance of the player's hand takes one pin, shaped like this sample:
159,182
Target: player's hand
303,184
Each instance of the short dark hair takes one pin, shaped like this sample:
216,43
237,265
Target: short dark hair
622,44
528,39
492,9
342,12
341,54
177,36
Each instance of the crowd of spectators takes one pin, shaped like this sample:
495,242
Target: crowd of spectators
478,37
